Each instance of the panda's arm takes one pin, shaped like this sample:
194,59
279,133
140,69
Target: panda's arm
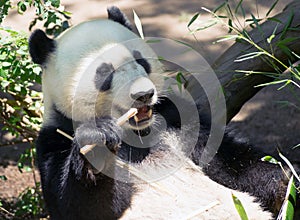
60,159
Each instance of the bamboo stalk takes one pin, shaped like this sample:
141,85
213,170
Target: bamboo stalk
87,148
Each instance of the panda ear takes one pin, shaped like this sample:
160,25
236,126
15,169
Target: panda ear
40,46
115,14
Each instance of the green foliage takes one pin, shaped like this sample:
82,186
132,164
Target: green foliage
21,109
53,15
3,177
25,162
239,207
21,100
238,30
30,202
287,209
5,5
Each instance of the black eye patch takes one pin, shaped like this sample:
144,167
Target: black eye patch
142,61
104,76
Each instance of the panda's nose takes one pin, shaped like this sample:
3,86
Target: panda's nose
143,96
142,90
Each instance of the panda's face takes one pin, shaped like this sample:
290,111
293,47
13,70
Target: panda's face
93,72
127,83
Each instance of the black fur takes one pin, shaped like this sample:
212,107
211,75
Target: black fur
116,15
40,46
239,166
67,178
73,191
142,61
236,165
104,76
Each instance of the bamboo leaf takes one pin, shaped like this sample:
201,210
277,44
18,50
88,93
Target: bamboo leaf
290,166
227,37
237,7
272,7
230,25
287,209
138,24
239,207
296,146
256,22
240,5
287,25
209,24
269,159
220,6
272,83
249,56
193,19
274,20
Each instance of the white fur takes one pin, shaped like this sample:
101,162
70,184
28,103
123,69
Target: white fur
189,190
68,78
182,191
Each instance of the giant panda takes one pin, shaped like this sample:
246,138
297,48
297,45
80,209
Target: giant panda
92,74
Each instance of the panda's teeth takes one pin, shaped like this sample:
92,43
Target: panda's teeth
150,113
136,118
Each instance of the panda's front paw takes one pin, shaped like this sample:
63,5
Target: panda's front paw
102,138
101,132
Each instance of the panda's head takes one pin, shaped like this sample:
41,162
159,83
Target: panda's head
98,68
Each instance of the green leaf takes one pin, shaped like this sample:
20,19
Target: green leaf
240,5
6,64
21,7
290,166
55,3
138,24
239,207
4,83
193,19
17,87
37,70
274,20
3,177
269,159
287,209
272,7
220,6
286,81
227,37
179,76
296,146
287,25
230,25
249,56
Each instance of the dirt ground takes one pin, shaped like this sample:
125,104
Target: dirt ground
264,120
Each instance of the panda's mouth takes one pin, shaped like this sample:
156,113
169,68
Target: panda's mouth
143,116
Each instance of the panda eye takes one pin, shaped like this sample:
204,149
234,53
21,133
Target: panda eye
142,61
104,76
